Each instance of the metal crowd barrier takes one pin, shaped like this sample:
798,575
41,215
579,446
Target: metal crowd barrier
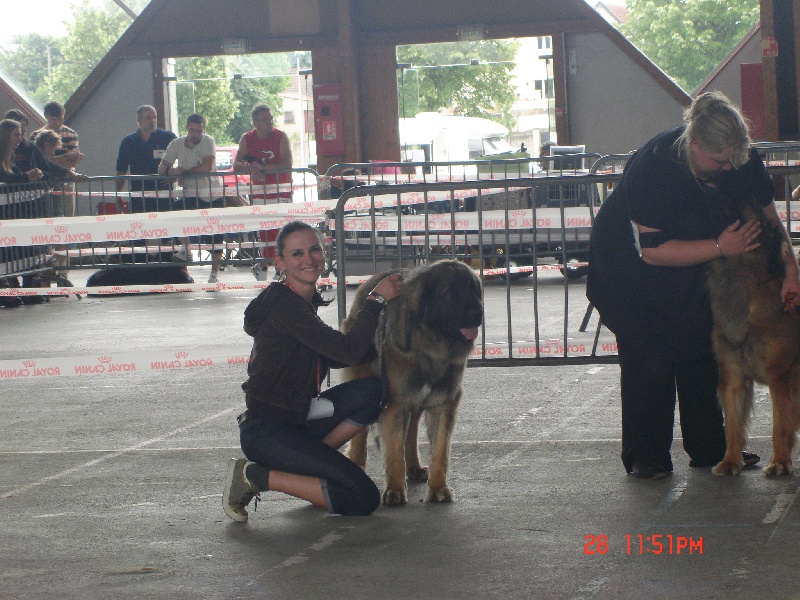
505,231
342,176
21,201
779,153
109,197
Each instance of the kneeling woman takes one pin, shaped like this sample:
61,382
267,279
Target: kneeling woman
288,448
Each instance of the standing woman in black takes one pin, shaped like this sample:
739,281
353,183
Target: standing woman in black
651,242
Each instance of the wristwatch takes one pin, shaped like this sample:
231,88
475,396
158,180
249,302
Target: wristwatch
377,297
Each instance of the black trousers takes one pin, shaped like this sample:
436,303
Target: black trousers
299,449
649,387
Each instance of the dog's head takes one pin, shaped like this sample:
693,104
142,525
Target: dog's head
446,297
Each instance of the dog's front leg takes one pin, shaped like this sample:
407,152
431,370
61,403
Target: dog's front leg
414,470
357,448
393,426
441,421
783,429
736,397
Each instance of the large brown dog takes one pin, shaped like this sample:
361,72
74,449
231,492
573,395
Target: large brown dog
756,339
424,339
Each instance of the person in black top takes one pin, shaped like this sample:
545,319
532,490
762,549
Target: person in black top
289,434
140,153
650,245
27,156
10,139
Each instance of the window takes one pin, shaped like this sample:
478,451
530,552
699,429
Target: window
475,147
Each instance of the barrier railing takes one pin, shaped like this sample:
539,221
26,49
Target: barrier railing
341,177
20,201
505,231
779,153
106,198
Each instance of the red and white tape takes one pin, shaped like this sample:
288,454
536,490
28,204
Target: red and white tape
324,283
137,362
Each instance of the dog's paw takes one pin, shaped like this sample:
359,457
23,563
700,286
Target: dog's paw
443,494
778,468
417,473
728,467
395,497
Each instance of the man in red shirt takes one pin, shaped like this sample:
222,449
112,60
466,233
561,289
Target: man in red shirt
266,154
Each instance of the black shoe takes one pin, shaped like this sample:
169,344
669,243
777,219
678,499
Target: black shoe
750,458
649,471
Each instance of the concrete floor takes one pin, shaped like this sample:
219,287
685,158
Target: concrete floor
111,485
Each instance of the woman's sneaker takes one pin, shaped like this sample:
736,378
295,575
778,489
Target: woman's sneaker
238,490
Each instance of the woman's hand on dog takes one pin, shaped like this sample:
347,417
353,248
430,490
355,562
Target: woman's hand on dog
738,238
390,287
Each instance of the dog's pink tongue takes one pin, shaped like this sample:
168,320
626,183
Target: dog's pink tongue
469,332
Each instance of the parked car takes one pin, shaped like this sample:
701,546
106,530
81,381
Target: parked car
226,156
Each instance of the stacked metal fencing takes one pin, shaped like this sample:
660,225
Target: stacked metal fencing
506,229
23,201
518,224
145,220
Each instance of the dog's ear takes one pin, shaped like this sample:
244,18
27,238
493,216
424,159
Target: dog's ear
426,299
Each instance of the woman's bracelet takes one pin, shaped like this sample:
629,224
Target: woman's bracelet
716,242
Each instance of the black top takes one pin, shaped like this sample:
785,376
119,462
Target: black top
292,345
664,311
143,157
28,156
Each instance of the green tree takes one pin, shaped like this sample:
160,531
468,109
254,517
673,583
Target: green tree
29,62
89,37
263,78
203,87
689,38
471,78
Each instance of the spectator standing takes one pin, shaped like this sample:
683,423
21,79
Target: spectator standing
263,152
27,156
195,153
67,157
10,138
48,144
140,153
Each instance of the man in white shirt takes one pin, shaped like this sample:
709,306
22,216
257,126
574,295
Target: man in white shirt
195,153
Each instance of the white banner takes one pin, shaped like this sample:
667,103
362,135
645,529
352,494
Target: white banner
141,361
324,283
127,227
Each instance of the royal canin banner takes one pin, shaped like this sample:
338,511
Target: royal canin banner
113,363
324,283
127,227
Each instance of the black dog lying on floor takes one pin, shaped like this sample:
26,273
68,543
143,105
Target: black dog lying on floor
139,275
32,280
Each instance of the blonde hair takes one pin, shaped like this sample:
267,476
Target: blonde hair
47,138
7,126
716,124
